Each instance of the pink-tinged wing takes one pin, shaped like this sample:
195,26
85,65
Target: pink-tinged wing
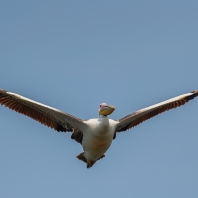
142,115
44,114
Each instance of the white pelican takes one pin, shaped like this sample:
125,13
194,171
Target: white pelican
95,135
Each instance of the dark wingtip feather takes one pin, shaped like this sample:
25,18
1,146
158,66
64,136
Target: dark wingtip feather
194,94
1,94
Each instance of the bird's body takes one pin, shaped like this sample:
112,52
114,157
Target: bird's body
95,135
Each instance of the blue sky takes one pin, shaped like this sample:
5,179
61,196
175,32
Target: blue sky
74,55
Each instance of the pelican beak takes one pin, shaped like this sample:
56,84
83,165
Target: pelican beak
106,109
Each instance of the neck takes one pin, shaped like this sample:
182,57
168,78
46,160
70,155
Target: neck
104,119
103,116
103,124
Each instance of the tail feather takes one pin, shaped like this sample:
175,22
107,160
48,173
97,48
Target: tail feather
89,163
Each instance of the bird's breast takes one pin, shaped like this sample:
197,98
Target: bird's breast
97,138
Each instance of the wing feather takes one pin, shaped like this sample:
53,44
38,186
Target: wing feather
44,114
142,115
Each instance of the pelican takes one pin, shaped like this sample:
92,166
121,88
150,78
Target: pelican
95,135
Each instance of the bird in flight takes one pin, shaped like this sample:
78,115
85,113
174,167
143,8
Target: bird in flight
95,135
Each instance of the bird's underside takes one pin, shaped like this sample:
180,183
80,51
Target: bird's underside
63,122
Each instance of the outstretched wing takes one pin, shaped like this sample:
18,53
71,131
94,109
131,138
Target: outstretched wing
44,114
142,115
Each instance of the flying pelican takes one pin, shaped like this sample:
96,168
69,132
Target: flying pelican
95,135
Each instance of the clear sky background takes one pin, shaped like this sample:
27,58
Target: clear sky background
74,55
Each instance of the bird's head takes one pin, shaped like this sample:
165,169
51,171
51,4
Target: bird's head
106,109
